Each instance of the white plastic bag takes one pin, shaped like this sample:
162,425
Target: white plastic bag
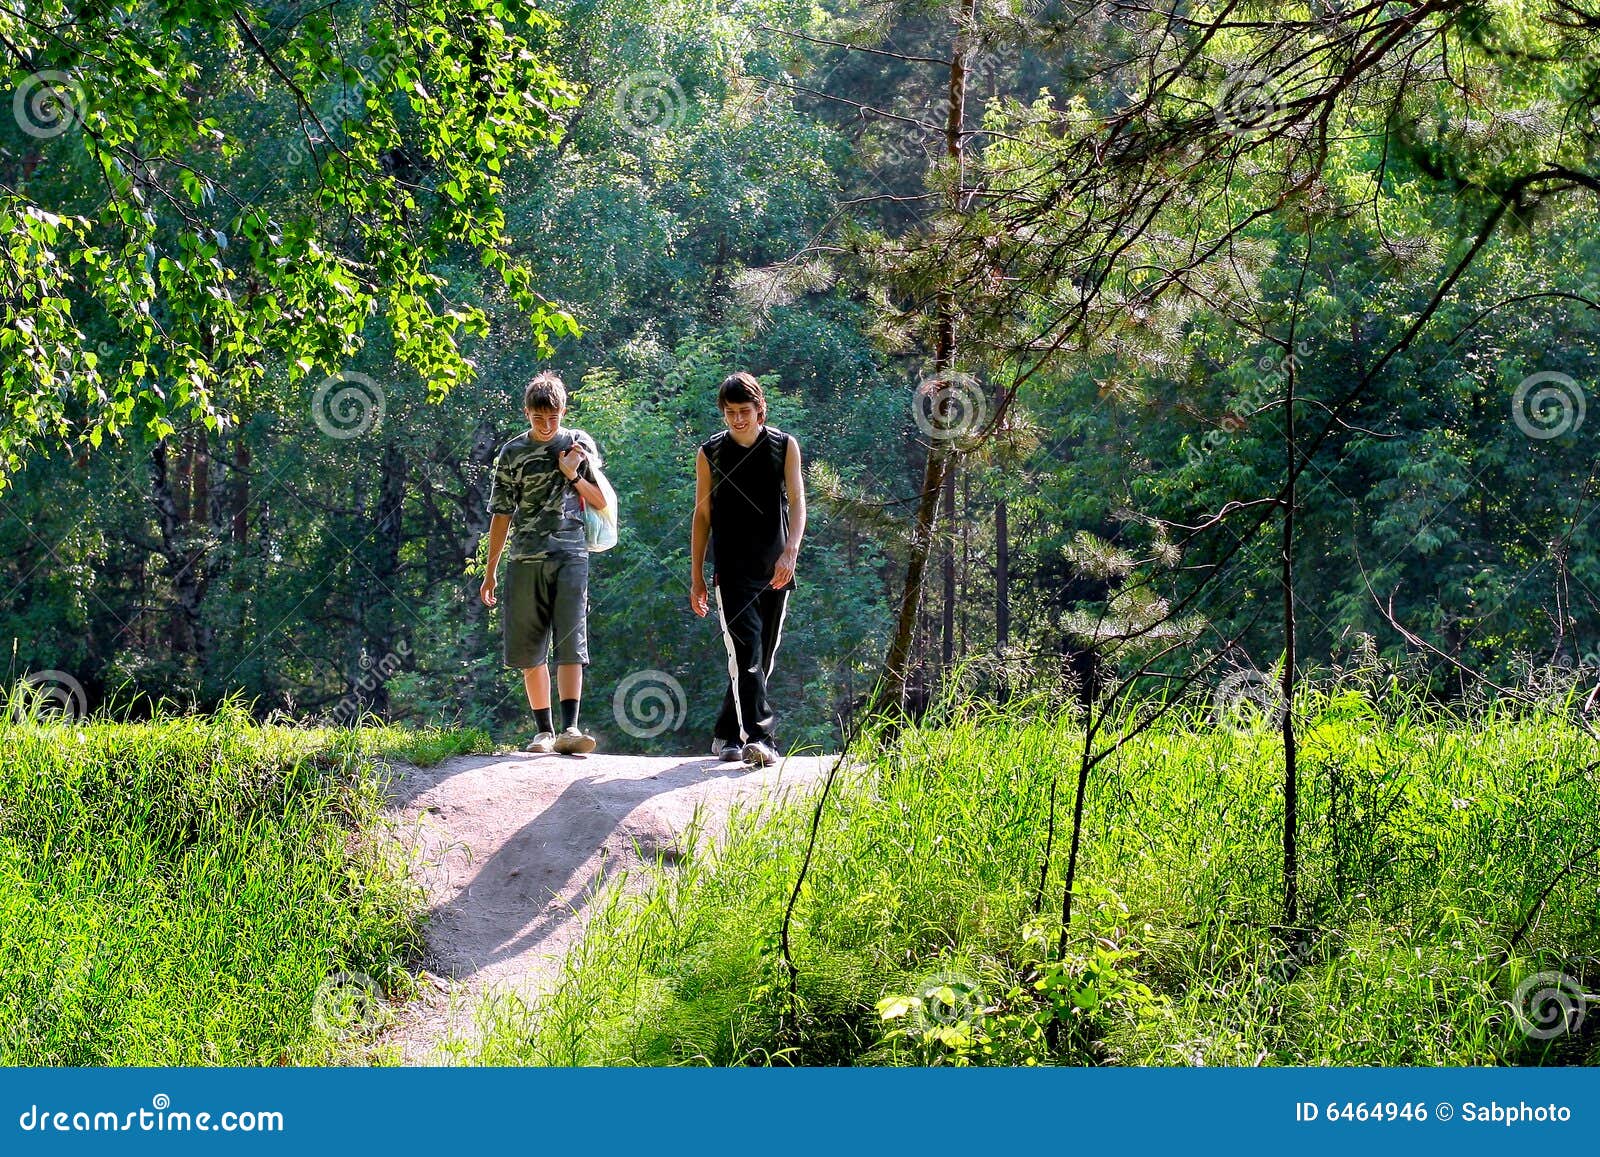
600,526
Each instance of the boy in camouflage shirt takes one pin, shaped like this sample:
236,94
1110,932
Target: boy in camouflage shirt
539,478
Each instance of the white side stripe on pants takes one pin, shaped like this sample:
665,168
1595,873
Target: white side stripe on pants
733,667
777,636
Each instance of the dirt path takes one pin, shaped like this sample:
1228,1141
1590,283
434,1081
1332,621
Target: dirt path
511,847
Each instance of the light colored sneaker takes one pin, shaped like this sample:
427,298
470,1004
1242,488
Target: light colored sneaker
544,742
759,754
574,742
727,750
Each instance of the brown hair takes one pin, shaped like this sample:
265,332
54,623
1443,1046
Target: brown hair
739,389
546,394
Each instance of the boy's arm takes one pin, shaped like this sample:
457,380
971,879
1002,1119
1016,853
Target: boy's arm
504,493
499,524
582,476
699,601
587,490
794,482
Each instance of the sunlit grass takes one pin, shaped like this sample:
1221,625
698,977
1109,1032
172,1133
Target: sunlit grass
207,890
1426,839
198,889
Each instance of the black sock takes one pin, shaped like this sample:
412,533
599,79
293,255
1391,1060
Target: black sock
541,719
569,713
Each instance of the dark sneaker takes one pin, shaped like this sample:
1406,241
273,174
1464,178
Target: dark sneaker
545,742
574,742
727,750
759,754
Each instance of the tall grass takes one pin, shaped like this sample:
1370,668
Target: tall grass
198,890
1426,838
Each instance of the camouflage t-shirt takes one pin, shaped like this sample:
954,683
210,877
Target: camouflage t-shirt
546,513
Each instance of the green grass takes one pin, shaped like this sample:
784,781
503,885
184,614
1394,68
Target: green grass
206,890
200,890
1425,838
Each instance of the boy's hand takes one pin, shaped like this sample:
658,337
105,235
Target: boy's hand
784,571
571,461
699,601
486,591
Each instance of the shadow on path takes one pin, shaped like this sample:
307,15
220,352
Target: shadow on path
544,874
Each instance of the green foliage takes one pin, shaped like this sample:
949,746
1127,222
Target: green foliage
648,161
1081,997
199,890
215,257
297,562
917,942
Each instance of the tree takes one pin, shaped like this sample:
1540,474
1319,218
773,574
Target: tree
222,194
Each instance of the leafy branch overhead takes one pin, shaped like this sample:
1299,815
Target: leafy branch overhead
1098,219
196,198
1107,218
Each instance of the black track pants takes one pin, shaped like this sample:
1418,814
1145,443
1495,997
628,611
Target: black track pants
751,613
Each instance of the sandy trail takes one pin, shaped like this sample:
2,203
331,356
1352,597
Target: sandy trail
511,847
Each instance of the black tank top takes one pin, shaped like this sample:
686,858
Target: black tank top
749,504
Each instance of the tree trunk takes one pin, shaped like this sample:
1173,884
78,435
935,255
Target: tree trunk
479,684
183,547
1002,577
965,591
1085,762
949,654
181,482
356,663
384,649
241,491
1291,786
1291,862
200,477
937,465
892,695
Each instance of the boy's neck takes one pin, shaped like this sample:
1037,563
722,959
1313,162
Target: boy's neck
755,433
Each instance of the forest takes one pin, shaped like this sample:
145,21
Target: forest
252,401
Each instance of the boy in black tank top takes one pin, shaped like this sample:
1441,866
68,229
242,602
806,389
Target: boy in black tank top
750,510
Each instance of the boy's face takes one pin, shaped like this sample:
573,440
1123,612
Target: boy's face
544,423
741,417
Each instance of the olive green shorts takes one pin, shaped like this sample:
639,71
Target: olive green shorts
545,597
